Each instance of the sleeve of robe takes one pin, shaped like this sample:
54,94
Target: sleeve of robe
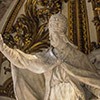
78,66
26,61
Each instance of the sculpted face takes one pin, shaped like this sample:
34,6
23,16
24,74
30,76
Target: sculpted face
54,39
57,27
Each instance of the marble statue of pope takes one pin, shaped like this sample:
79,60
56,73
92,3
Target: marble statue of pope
68,73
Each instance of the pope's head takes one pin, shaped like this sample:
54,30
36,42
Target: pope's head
57,29
58,23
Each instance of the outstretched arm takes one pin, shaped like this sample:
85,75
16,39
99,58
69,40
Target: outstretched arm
25,61
11,54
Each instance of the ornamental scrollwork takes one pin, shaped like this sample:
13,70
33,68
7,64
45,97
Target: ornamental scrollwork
30,33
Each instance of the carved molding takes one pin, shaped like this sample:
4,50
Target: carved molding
96,20
78,27
4,5
7,89
72,22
